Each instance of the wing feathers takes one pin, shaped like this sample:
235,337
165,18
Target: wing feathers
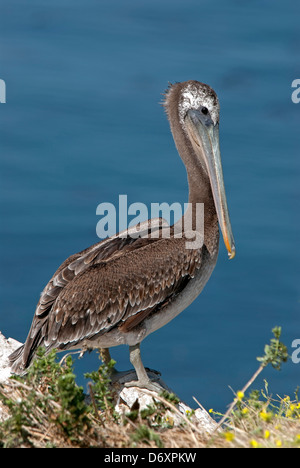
118,282
126,290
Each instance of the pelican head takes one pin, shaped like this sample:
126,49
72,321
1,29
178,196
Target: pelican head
196,107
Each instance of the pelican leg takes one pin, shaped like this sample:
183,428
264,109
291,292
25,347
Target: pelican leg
143,379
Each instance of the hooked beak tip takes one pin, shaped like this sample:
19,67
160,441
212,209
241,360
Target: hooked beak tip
231,254
230,248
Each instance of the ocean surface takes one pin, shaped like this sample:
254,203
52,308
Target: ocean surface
83,124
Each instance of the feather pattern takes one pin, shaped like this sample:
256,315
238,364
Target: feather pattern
115,283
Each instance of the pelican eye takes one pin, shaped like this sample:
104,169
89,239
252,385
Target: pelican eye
204,110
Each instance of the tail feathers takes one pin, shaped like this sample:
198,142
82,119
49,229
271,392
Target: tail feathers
22,357
16,360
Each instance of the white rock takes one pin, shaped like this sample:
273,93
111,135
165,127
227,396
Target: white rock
128,396
7,346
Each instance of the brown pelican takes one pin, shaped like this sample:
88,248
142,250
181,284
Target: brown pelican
120,290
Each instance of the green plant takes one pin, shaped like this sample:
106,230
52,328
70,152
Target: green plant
99,387
145,434
47,392
275,352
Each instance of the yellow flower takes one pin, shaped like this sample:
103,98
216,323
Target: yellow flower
240,395
170,420
297,438
245,411
278,443
254,443
266,415
267,434
289,413
210,410
229,436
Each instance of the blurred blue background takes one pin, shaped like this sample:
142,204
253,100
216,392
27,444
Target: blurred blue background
83,124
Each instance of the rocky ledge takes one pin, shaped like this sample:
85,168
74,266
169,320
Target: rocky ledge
126,397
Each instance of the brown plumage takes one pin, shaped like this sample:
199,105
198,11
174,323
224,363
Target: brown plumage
123,288
107,286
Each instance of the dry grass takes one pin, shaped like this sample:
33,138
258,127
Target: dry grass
258,421
47,409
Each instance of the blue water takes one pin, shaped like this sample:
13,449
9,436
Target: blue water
83,124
